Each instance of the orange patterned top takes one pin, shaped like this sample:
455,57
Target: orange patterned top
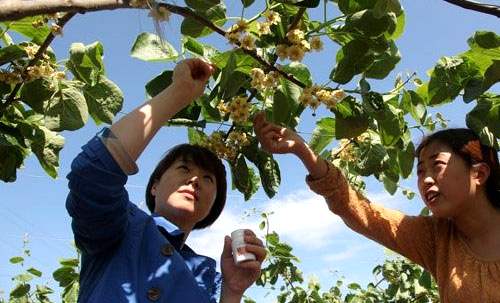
432,243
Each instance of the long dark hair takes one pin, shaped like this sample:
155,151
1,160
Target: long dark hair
203,158
465,143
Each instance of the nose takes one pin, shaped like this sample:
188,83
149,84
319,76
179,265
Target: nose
194,181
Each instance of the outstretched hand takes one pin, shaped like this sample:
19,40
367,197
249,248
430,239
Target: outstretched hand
276,139
190,77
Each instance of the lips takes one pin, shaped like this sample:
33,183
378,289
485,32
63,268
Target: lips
431,197
191,193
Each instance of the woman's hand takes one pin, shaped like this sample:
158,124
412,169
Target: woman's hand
238,277
280,140
276,139
190,78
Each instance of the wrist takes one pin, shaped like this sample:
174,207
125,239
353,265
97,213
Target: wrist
230,296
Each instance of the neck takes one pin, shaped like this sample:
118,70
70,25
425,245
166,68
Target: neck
481,221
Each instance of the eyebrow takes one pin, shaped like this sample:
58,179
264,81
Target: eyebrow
433,156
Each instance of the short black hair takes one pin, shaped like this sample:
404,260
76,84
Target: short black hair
466,144
203,158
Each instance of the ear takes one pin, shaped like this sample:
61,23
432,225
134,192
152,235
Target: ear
154,188
481,173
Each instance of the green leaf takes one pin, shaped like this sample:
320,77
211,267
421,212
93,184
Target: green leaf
281,108
371,159
301,3
350,119
239,173
24,26
20,290
268,168
36,93
72,262
10,53
389,184
34,272
196,137
351,6
67,110
485,39
11,158
201,5
491,75
85,62
354,58
192,27
406,158
484,120
104,100
384,63
323,134
299,71
65,276
367,23
46,146
150,47
70,294
159,83
449,77
15,260
193,46
416,105
425,280
231,79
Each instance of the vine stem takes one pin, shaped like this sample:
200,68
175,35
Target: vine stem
50,37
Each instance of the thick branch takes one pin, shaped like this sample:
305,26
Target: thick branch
15,9
478,7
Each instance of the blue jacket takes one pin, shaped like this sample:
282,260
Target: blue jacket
128,255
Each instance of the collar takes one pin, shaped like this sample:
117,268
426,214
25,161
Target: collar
171,231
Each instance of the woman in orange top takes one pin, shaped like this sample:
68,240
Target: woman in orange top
459,181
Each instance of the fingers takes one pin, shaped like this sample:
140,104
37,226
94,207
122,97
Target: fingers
226,251
200,69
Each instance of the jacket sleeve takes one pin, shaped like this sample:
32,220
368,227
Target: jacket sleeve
97,199
412,236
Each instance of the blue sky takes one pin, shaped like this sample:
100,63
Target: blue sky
34,204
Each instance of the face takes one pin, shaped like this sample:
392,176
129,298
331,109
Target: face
185,193
445,181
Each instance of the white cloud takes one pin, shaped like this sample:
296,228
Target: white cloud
347,254
304,219
301,219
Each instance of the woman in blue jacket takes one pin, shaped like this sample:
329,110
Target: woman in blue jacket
131,256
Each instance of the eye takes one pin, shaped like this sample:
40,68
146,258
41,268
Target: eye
209,178
183,168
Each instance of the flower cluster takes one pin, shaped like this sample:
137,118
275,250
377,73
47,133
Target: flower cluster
10,77
238,109
298,46
54,27
238,34
345,151
262,81
226,148
272,18
314,96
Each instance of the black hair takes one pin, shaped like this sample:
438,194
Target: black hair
203,158
465,143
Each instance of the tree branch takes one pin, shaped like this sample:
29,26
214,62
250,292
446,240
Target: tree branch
476,6
15,9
